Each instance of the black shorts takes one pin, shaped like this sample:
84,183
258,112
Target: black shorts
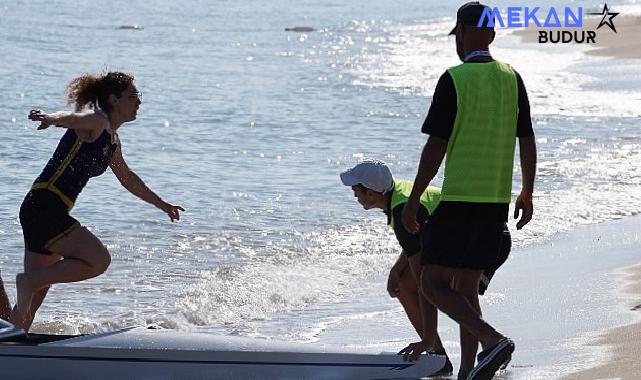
461,235
45,219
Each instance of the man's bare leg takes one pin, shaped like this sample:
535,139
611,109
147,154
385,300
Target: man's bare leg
468,287
437,284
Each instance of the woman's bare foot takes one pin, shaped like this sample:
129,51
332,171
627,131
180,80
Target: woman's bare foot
18,319
20,313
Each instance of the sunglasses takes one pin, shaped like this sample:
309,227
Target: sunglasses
135,95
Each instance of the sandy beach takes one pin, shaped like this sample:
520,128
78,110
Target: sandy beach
625,43
623,344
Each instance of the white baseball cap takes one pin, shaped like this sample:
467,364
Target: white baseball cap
373,174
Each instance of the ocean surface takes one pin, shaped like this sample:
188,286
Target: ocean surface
248,126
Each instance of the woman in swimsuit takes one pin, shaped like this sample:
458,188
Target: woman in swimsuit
57,248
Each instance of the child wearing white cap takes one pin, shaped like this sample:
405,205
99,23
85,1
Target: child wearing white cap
374,187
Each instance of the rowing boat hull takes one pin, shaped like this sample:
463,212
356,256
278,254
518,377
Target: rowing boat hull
168,355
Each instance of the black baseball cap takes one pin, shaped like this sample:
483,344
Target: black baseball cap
469,14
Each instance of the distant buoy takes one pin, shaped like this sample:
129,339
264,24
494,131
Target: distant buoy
300,29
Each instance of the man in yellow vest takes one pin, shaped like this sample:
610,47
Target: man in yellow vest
375,188
478,110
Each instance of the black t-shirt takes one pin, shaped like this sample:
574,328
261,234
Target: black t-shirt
411,243
440,123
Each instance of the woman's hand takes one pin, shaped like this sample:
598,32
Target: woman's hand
44,119
172,211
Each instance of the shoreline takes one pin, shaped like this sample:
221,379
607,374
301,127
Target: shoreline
584,291
625,43
618,347
622,342
553,298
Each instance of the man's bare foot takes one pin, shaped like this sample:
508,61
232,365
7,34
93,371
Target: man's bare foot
462,374
490,343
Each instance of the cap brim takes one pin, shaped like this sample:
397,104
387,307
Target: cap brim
453,32
349,179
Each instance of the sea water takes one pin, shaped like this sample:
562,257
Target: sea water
247,127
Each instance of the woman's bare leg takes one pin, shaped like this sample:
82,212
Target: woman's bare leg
32,262
83,257
5,305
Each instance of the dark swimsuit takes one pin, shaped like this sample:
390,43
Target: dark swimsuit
44,214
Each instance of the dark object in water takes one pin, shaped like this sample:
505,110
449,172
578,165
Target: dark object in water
132,27
300,29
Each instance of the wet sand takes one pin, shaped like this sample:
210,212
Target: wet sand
621,345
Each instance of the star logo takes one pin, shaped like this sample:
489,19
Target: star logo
607,18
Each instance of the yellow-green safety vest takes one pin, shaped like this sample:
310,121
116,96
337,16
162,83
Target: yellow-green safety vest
480,151
401,193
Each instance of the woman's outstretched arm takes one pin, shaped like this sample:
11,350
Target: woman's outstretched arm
135,185
87,121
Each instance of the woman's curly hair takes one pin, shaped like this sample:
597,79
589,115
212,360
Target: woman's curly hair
93,90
